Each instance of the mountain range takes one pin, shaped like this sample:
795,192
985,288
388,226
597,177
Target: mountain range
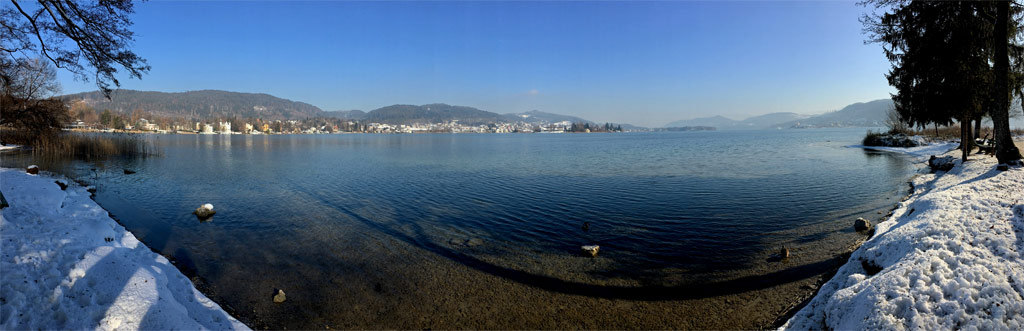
200,104
861,114
223,104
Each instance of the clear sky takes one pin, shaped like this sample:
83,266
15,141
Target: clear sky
645,63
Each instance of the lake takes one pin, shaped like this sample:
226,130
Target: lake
484,230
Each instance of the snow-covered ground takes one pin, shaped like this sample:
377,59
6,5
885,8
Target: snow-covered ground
65,264
950,258
8,147
917,152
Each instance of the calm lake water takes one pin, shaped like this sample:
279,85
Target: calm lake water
484,230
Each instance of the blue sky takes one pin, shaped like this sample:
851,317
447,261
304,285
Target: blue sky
645,63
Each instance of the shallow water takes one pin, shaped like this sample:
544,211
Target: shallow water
484,230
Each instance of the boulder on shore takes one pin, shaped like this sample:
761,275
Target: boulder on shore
590,249
32,169
204,211
941,163
862,225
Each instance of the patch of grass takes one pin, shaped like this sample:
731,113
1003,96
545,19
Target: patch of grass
80,145
952,132
873,138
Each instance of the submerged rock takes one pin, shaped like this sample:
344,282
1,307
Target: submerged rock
590,249
586,226
862,224
474,242
278,295
128,172
32,169
784,253
205,211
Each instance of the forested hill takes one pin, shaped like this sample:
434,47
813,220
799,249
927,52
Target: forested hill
216,104
200,104
432,113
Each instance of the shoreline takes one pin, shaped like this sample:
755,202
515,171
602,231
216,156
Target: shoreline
917,154
95,275
945,259
781,292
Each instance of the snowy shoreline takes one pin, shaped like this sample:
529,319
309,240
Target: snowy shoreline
948,258
65,264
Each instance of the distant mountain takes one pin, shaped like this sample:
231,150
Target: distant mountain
866,114
200,104
860,114
769,120
214,104
432,113
719,122
346,114
536,116
752,123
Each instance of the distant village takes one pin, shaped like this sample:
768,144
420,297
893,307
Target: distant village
85,118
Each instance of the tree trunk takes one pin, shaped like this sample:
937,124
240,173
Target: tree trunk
977,127
965,137
936,130
1006,152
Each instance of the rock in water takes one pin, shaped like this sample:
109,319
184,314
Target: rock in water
32,169
278,295
128,172
590,249
474,242
784,253
586,226
204,211
862,224
63,185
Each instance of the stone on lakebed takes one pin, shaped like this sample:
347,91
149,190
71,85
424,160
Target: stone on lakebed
278,295
204,211
862,224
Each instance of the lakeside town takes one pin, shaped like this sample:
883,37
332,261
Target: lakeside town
324,126
85,118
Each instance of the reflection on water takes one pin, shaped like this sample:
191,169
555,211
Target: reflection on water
337,219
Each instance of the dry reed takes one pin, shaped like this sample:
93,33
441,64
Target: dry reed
80,145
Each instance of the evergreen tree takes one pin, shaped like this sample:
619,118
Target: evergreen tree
941,54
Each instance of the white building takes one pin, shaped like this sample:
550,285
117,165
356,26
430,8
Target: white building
225,127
